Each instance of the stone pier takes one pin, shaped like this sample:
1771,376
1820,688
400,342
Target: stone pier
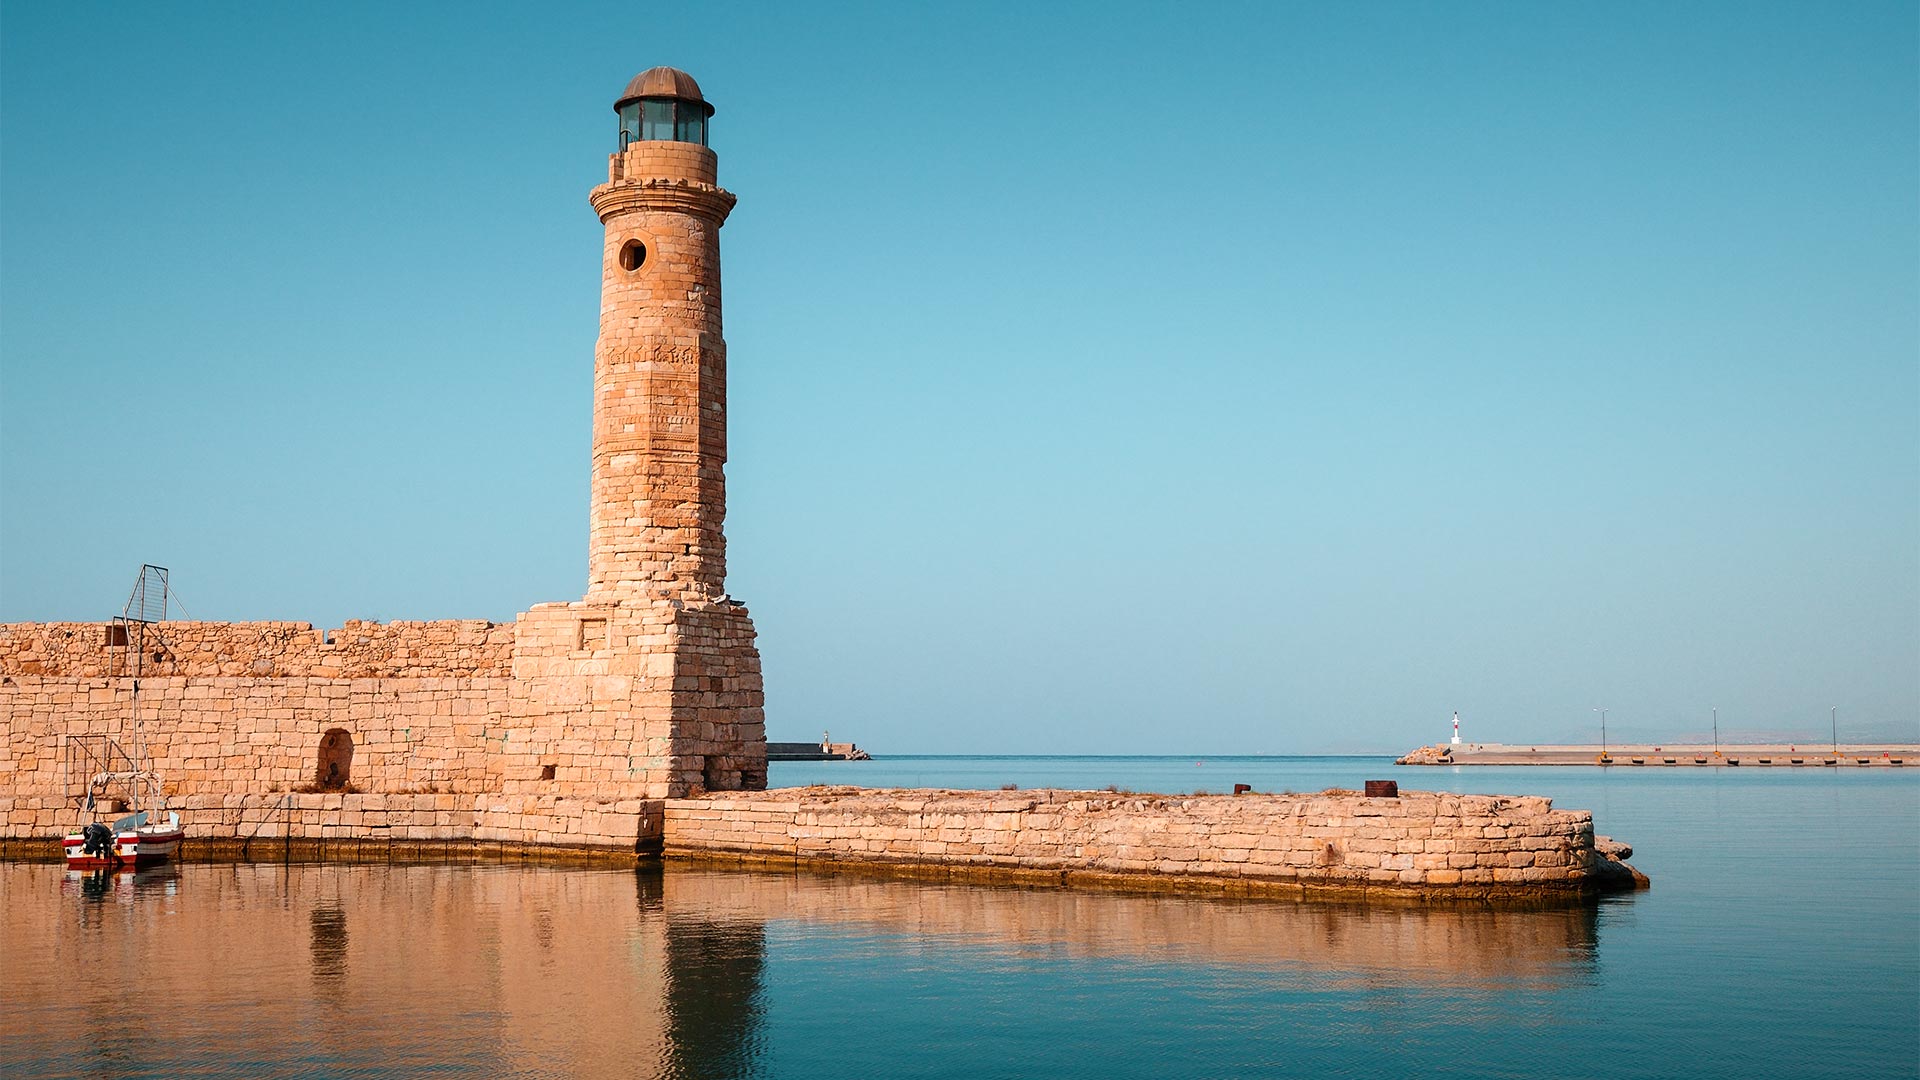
1420,844
1675,755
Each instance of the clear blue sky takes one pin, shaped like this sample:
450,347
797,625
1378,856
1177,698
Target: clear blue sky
1264,378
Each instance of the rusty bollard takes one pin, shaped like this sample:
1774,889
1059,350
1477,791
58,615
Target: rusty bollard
1383,789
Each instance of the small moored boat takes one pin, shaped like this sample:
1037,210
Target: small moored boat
132,842
139,839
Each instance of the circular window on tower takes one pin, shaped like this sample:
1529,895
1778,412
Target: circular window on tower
633,255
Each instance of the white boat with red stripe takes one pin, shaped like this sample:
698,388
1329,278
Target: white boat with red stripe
140,839
131,843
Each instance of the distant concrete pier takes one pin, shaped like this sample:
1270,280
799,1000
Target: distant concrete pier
820,751
1875,755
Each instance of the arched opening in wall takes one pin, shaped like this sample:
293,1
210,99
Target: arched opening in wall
335,765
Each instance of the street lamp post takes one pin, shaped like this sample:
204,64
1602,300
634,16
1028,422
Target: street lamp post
1833,717
1603,732
1716,731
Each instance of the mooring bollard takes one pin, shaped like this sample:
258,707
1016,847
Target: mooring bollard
1383,789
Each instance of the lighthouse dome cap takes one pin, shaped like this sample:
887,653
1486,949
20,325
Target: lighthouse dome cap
663,82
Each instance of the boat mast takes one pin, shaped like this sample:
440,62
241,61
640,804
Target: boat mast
139,645
146,605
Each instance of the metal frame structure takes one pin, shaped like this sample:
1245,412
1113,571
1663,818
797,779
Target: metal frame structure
134,640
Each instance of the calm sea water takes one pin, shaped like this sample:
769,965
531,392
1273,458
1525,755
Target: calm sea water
1781,939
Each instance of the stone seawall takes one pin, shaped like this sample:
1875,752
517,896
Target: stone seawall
1422,845
603,701
374,826
1425,845
225,736
1419,844
463,648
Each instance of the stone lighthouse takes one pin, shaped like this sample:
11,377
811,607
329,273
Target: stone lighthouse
649,686
660,369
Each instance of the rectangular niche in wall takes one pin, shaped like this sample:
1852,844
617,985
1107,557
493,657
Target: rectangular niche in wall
593,635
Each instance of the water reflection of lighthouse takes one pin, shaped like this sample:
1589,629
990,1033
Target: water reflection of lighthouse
1456,727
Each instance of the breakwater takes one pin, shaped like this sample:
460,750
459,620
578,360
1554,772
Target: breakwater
1419,844
820,751
1876,755
373,826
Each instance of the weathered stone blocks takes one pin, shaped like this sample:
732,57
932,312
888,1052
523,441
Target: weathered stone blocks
1421,843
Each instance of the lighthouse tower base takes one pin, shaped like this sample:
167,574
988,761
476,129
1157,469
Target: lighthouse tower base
635,699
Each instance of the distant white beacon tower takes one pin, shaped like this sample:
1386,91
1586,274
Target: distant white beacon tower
1456,728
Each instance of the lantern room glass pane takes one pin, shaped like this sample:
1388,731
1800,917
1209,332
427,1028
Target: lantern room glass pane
656,120
691,125
629,122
